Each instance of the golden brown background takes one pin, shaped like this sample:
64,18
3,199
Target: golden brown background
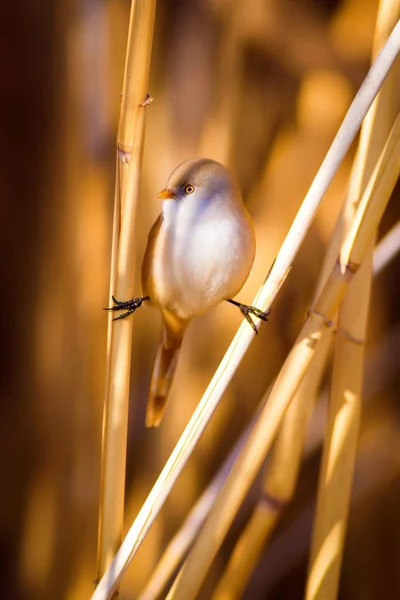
262,86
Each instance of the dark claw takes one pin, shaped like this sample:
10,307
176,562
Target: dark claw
131,305
249,320
251,310
259,313
126,314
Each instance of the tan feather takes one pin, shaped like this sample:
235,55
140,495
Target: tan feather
164,367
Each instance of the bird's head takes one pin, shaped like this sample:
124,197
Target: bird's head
200,180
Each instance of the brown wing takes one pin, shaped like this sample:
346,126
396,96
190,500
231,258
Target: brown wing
147,264
171,339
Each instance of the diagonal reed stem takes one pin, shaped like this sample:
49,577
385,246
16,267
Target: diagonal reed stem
244,337
279,480
179,546
344,413
353,250
285,462
387,248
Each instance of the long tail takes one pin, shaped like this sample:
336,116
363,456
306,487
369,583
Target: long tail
164,369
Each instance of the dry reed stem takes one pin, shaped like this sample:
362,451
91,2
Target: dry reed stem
279,481
181,542
340,445
178,547
369,212
129,147
245,335
246,467
247,551
387,248
340,441
286,455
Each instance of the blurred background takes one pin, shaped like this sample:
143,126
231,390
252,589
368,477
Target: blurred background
261,86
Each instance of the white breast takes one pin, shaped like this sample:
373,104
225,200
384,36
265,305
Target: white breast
205,255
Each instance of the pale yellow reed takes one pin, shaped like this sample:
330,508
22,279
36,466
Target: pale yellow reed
129,148
244,337
346,390
353,250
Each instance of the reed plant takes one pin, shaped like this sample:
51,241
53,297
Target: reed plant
241,565
130,140
340,445
352,252
281,477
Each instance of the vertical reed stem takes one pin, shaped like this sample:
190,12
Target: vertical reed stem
129,147
345,401
269,290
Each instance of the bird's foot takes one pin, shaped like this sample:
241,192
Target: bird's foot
247,311
131,305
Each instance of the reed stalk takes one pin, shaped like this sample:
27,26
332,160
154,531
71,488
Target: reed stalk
129,149
352,252
387,249
245,335
286,456
340,445
285,462
279,481
182,541
179,545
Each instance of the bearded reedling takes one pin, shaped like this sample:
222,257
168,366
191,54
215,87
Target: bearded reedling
199,253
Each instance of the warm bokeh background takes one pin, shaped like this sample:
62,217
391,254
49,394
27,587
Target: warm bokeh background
262,86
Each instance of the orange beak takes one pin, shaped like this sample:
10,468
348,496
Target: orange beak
166,194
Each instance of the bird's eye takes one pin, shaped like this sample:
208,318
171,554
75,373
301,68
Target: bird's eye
189,189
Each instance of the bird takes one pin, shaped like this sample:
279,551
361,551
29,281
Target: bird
199,253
